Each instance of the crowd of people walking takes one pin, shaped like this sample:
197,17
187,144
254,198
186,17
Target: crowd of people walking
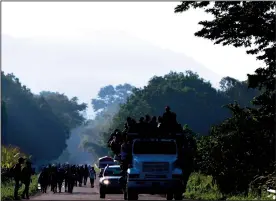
70,174
52,177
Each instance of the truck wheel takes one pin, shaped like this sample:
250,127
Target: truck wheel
178,196
169,196
102,194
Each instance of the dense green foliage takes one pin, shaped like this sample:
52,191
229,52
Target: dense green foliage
196,102
10,156
68,110
236,123
202,187
106,105
4,116
7,189
243,146
239,151
33,122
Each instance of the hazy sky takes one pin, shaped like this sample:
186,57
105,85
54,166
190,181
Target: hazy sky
76,48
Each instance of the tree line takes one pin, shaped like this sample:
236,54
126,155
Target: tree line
105,106
38,124
240,152
235,125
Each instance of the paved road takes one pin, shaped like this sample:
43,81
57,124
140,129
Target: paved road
88,193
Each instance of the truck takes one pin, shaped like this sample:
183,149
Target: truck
154,168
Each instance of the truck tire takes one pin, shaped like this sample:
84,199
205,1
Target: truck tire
178,196
102,194
169,196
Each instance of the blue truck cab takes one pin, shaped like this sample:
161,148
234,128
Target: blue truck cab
154,169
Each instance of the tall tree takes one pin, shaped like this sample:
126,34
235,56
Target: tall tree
189,95
68,110
4,119
244,144
106,105
31,123
109,97
242,24
236,89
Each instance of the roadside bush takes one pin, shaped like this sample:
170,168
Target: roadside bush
202,187
9,157
7,189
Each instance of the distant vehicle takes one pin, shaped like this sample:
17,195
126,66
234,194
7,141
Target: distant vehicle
109,181
104,161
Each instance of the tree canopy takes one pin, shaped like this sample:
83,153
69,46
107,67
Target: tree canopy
106,105
235,125
68,110
33,122
196,102
243,146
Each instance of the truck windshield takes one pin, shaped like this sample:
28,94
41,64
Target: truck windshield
154,147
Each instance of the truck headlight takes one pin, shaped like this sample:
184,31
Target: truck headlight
106,182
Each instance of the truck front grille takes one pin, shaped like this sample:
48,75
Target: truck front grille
151,176
156,167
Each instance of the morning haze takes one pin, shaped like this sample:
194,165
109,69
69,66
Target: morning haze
82,80
82,67
79,54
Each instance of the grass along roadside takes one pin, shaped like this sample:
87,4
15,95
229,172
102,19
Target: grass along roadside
7,189
200,187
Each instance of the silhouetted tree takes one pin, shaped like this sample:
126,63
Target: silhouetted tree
243,146
31,123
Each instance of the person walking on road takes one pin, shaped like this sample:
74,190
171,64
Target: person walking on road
17,173
43,180
85,174
92,175
60,177
27,173
71,178
54,179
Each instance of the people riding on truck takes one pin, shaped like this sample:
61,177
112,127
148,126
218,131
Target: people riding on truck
165,126
125,153
147,127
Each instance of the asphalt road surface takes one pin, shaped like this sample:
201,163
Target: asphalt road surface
88,193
